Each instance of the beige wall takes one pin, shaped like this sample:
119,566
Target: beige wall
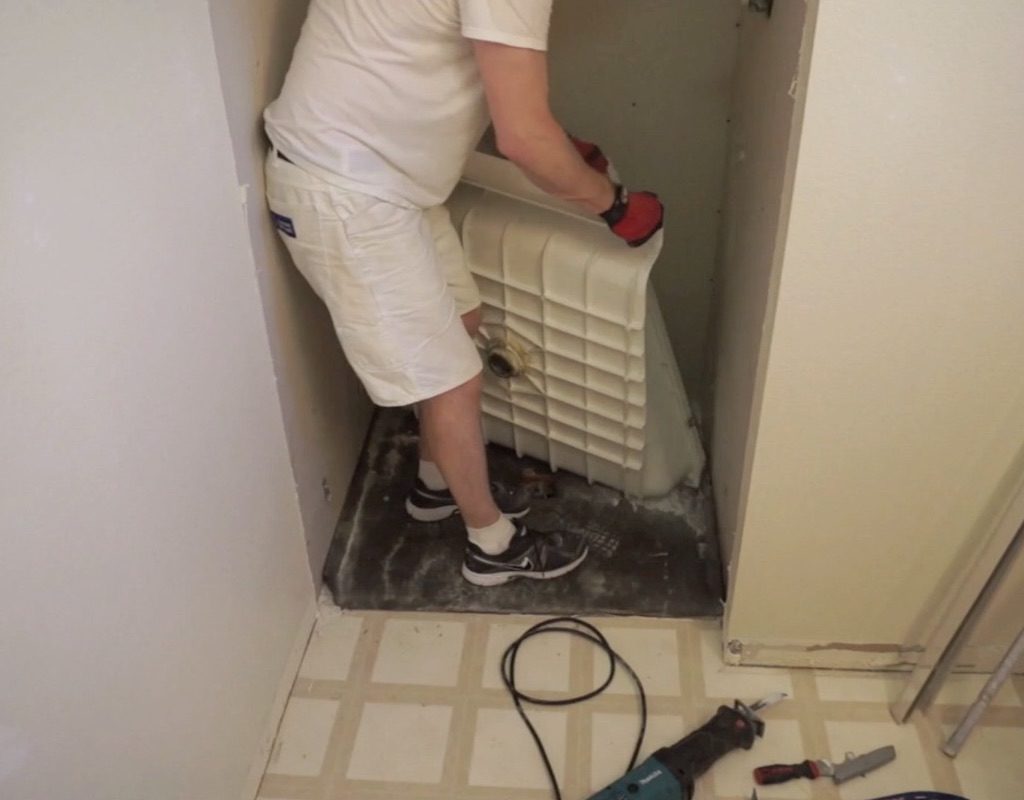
651,85
893,398
767,104
153,581
326,412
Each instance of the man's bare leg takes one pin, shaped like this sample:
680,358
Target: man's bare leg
471,320
498,551
450,424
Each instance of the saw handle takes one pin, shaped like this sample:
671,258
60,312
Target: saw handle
780,773
730,729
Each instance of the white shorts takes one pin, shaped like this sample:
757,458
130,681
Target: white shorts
393,278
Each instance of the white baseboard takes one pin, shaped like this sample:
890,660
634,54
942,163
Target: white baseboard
832,655
836,655
291,671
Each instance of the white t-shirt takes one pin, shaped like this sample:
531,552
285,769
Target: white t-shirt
384,96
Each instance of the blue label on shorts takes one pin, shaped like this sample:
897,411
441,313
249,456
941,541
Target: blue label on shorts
283,224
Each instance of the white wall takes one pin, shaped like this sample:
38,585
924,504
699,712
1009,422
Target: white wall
326,411
153,578
893,398
651,85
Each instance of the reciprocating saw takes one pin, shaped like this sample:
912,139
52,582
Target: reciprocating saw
671,772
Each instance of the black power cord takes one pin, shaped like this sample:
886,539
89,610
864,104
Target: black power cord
584,630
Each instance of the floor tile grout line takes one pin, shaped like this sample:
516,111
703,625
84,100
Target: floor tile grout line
498,698
811,722
579,736
941,769
346,726
997,716
619,704
689,665
694,675
845,711
384,790
1018,684
502,793
696,690
461,739
290,786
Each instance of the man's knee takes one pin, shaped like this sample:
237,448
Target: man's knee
460,402
471,320
472,388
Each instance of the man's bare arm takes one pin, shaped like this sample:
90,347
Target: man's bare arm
516,82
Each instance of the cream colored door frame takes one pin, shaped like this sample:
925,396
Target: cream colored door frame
967,602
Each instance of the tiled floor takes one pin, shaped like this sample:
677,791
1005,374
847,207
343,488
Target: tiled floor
411,706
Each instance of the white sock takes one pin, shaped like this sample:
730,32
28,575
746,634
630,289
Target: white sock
495,538
431,476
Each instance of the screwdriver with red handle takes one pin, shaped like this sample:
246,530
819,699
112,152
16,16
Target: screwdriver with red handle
780,773
854,766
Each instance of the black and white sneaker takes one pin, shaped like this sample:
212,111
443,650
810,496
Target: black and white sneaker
427,505
530,554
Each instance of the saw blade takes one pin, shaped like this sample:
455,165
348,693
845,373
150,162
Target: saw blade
857,766
770,700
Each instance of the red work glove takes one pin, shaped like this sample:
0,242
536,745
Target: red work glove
635,216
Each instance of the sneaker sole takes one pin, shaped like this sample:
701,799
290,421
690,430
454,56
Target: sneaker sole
501,578
429,514
444,512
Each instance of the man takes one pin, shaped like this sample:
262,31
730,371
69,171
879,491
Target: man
383,103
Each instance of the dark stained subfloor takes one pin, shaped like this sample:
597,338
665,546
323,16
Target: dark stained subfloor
648,558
